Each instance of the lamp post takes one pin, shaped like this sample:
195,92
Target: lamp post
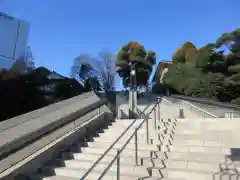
132,91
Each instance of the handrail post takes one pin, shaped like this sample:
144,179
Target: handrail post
147,130
155,118
136,147
118,164
99,111
158,105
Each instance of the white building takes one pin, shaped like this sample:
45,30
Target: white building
13,40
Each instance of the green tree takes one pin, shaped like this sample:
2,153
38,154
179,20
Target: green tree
143,59
230,40
185,54
204,54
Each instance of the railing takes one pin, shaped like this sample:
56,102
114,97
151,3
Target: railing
110,147
135,135
198,110
234,107
26,137
166,101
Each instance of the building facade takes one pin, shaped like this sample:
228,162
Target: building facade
13,40
162,68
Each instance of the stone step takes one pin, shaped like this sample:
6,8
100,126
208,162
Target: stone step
199,175
200,149
115,133
205,167
123,123
198,157
125,159
126,172
203,130
208,143
142,139
141,146
130,160
130,169
205,136
182,136
39,177
156,157
42,177
140,131
72,174
141,152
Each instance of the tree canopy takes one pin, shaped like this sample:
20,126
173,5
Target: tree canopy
135,52
95,73
209,71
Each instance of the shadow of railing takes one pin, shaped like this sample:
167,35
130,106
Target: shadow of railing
228,170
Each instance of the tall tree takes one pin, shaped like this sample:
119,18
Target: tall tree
135,52
99,72
185,54
231,41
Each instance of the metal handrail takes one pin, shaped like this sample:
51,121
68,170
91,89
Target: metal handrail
119,151
199,109
109,148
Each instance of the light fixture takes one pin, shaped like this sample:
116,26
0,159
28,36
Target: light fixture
133,72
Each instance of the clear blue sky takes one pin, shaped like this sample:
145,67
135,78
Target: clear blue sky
63,29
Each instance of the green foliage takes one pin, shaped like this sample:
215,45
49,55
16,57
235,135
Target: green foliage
204,54
236,101
185,54
234,68
230,39
136,53
207,71
21,93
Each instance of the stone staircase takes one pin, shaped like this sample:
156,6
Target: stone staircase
76,162
179,149
204,150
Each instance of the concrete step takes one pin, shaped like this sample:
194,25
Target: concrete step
41,177
125,159
207,136
71,174
142,139
200,149
131,169
126,172
192,130
105,178
129,158
141,146
143,153
199,175
198,157
174,161
126,122
182,136
208,143
113,134
200,166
